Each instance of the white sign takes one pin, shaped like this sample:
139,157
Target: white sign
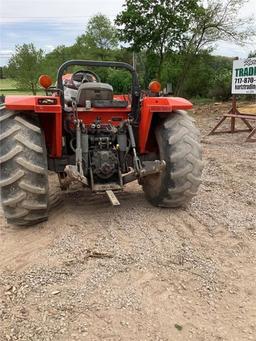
244,76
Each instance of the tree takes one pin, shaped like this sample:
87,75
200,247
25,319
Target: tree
213,21
186,27
100,37
100,41
58,56
120,80
25,66
209,76
158,25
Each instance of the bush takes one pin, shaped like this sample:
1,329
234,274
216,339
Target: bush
220,87
120,80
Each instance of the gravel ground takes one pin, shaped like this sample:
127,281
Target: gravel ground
136,272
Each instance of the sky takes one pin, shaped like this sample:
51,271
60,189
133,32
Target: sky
49,23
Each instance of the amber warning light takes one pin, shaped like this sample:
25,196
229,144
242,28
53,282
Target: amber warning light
45,81
154,86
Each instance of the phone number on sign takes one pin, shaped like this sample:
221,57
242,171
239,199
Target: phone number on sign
246,80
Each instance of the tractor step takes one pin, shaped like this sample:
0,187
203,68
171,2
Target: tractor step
113,199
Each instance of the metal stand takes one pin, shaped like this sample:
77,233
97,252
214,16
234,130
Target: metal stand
234,113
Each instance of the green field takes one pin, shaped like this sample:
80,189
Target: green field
8,87
7,84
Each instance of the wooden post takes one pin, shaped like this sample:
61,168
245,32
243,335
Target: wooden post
234,112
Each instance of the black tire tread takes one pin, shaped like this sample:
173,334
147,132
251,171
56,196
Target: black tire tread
186,169
183,156
23,170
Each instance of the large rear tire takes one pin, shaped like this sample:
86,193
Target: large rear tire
179,146
23,169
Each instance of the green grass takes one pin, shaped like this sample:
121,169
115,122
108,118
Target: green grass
19,92
7,84
8,87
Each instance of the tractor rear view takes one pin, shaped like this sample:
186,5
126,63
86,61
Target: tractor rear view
84,132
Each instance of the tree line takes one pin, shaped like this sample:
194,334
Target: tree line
168,40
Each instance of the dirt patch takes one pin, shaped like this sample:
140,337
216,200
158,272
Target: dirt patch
136,272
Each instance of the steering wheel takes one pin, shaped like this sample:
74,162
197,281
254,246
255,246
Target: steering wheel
83,76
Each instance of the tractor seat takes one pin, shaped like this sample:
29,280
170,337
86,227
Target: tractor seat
99,94
93,91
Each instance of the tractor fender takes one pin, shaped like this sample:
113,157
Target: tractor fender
160,106
38,104
49,111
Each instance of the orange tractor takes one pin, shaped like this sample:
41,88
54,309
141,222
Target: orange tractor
85,133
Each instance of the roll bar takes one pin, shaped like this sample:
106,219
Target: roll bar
135,81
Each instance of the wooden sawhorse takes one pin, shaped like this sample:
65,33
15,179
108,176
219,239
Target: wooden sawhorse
234,114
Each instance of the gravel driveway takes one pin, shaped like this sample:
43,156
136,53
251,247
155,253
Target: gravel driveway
136,272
